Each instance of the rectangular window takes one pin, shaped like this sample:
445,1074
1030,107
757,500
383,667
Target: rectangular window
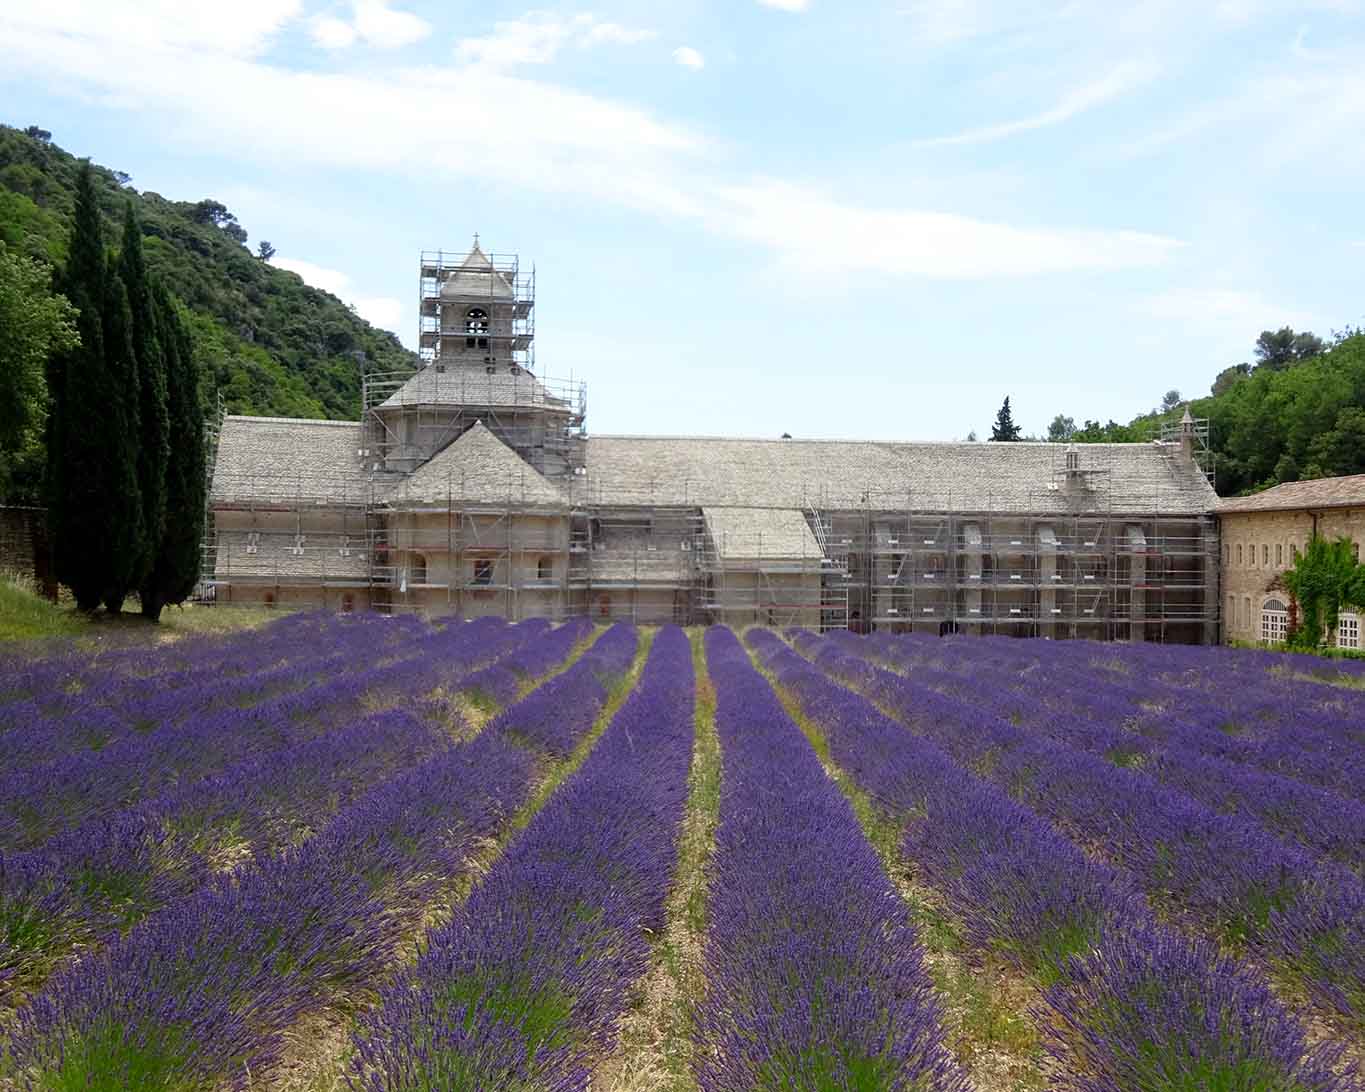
1348,630
1279,555
1265,553
1230,619
1239,553
1246,610
1227,553
483,572
1274,626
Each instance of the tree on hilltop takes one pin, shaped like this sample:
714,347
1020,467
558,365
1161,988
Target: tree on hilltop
1005,430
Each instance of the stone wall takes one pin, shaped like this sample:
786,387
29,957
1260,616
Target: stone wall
1259,546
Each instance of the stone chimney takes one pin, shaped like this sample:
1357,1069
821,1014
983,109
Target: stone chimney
1187,436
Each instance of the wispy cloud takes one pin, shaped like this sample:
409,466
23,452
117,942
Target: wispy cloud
689,57
813,232
1117,82
539,36
786,5
1229,313
382,311
373,22
530,134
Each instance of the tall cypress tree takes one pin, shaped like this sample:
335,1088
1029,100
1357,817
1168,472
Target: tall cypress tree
153,443
127,536
77,384
94,512
176,566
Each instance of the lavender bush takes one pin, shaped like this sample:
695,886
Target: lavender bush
533,971
814,974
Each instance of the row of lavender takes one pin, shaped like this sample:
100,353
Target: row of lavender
815,977
204,989
1131,1003
117,866
526,983
1144,726
1285,725
1225,874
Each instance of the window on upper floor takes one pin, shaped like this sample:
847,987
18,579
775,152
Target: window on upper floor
476,322
483,572
1279,554
545,569
1239,553
417,569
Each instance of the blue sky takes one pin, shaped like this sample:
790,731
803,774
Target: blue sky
832,219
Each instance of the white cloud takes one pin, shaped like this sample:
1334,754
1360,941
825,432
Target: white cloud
373,22
813,233
689,57
786,5
384,312
538,37
332,33
381,26
159,24
1122,79
533,135
1228,314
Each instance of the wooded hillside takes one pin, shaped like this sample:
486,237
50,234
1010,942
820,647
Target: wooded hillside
265,341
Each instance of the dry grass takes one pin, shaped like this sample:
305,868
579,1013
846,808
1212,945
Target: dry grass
655,1042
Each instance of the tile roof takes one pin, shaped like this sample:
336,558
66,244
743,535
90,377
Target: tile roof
961,477
279,459
1343,492
476,277
472,386
760,534
477,468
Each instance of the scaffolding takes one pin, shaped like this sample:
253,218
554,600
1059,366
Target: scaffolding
507,289
1073,556
409,418
899,563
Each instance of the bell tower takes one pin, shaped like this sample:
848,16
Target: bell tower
477,312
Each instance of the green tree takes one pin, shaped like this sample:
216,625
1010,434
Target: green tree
1325,578
94,510
1282,348
35,324
1005,430
1061,429
153,428
176,566
1170,400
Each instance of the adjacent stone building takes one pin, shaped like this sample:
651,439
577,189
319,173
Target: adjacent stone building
472,487
1263,534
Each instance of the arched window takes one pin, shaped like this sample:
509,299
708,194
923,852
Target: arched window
417,569
1274,621
476,328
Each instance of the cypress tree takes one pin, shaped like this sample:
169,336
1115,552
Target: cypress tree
153,447
127,539
94,513
176,565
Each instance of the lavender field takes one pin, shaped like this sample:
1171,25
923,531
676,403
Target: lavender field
353,852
